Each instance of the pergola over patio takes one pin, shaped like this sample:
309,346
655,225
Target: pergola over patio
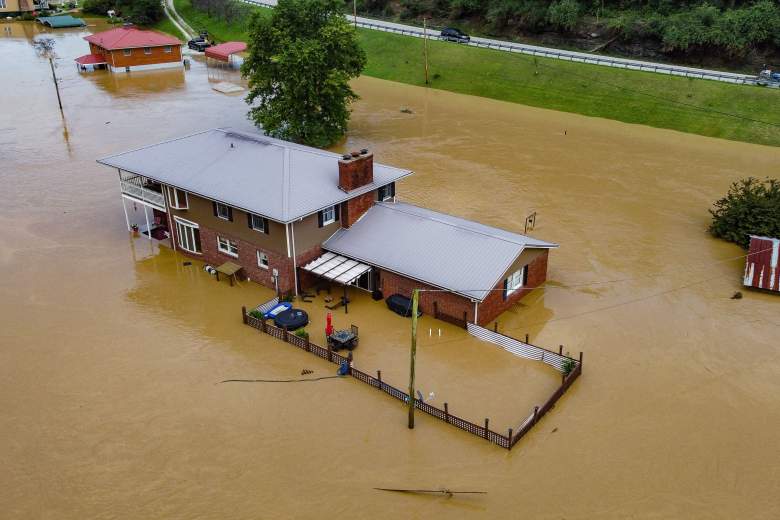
337,268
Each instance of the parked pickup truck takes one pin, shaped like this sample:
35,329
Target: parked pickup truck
200,43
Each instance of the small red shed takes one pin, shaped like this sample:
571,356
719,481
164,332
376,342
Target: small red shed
761,267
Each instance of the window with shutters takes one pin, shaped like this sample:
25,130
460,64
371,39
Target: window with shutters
385,193
329,215
258,223
223,211
515,281
227,246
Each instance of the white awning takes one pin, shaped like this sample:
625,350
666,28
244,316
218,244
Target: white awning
338,268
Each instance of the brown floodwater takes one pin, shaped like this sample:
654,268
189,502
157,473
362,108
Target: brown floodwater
111,347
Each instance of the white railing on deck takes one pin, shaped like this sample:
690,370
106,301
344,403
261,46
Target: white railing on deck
132,186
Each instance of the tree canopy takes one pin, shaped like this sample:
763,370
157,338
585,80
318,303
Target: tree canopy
141,12
751,207
300,61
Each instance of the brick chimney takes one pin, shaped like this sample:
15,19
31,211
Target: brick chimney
356,170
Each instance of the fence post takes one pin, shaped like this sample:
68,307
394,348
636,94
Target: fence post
379,377
262,325
509,436
447,413
330,352
526,337
349,362
487,421
308,344
495,327
560,350
580,358
243,314
465,319
536,414
284,333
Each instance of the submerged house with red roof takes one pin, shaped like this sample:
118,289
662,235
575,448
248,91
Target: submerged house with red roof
129,48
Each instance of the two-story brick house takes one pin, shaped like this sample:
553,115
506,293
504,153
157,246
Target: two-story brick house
291,216
129,48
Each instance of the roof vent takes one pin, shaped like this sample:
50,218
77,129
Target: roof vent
364,151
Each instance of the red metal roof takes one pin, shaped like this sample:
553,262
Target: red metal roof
224,50
91,59
130,38
761,267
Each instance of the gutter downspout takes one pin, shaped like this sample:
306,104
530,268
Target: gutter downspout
476,311
295,260
165,191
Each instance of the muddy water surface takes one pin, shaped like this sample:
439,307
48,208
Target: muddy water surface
111,347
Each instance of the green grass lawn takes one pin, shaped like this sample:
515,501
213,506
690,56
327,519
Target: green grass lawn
687,105
167,26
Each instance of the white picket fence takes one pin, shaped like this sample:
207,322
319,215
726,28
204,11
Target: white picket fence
518,348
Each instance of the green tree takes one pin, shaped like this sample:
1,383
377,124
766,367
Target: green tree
751,207
142,12
300,61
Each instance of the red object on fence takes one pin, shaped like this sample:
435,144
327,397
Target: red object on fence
329,326
761,268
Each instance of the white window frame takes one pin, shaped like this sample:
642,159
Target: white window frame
514,281
2,4
260,257
261,227
328,215
227,211
147,50
173,198
127,52
388,196
228,246
185,234
168,49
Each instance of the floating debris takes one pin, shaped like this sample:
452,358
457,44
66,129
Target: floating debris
226,87
446,492
406,111
737,296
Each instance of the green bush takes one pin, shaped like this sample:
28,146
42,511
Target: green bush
751,207
256,314
301,333
567,366
564,14
101,7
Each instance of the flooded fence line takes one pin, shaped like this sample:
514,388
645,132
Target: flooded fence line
505,441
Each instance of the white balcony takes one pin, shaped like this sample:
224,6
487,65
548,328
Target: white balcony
142,190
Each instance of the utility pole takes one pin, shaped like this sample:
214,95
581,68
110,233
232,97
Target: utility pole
415,303
56,85
425,47
354,12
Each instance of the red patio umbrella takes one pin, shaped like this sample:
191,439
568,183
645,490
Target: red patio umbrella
329,326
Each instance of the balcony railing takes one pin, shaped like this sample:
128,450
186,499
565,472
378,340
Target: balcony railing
134,187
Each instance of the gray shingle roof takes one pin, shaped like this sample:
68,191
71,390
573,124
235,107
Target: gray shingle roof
442,250
279,180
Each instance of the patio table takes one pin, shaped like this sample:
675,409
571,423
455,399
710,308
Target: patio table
230,270
342,339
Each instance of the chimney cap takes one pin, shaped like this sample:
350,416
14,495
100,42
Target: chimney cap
364,151
355,154
346,156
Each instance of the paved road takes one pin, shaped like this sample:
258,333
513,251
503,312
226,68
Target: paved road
547,52
178,21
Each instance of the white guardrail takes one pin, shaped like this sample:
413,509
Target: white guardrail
546,52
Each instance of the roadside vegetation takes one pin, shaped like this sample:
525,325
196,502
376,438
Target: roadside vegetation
683,30
751,207
140,12
709,108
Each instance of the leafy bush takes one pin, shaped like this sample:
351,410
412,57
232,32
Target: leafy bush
564,14
751,207
142,12
301,333
101,7
256,314
567,365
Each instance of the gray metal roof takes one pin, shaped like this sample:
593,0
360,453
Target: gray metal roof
279,180
456,254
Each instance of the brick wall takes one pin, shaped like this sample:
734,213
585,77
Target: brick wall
247,258
356,171
355,208
448,303
494,304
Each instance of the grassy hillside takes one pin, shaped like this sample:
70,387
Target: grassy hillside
697,106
